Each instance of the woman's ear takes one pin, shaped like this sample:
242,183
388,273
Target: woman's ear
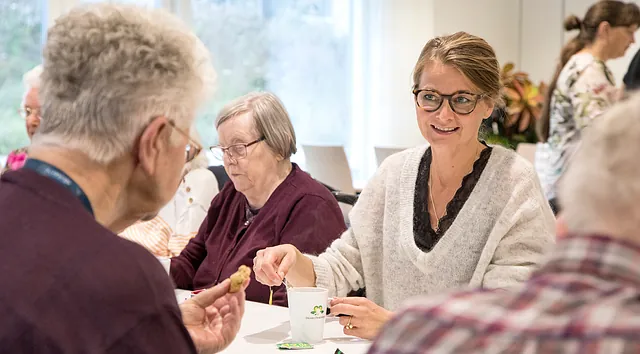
491,105
604,28
150,144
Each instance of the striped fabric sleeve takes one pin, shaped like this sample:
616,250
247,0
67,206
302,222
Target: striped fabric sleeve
153,235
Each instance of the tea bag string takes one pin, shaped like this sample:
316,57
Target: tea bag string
286,284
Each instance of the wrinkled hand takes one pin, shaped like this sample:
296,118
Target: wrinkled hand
272,264
213,317
366,317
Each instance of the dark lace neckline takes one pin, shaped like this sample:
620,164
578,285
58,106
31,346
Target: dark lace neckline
424,235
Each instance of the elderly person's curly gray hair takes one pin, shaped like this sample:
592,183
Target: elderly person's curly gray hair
600,190
110,69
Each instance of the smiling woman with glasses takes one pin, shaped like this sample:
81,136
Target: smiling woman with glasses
270,201
453,212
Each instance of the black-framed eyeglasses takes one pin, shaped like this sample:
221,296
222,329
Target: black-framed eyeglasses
192,149
235,151
27,112
461,102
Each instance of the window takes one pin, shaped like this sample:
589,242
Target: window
297,49
20,50
147,3
302,50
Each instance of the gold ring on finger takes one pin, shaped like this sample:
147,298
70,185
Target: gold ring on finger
349,325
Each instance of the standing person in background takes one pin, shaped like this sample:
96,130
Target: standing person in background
178,222
30,112
582,87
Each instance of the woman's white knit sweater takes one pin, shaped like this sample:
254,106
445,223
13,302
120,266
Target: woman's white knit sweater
498,238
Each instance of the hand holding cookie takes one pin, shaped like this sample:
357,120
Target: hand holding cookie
238,278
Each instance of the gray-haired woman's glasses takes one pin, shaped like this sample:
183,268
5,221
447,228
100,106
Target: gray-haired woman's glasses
235,151
192,149
461,102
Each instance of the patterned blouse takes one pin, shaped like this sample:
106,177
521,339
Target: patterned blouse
584,90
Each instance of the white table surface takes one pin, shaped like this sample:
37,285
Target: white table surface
264,326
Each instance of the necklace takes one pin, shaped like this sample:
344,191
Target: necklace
433,204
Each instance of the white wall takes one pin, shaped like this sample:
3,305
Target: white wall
526,32
496,21
400,32
541,35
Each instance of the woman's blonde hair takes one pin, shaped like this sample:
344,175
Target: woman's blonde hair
471,55
271,120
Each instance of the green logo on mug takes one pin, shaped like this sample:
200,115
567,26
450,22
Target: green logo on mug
317,310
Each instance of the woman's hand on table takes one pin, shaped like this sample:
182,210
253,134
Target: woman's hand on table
363,315
213,317
272,264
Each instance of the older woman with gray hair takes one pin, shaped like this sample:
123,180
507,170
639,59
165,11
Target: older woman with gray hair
269,202
120,89
30,112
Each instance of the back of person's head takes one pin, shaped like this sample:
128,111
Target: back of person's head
600,190
471,55
109,70
615,13
270,117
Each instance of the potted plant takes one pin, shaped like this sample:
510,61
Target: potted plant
515,123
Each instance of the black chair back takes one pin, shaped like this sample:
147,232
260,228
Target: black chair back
221,175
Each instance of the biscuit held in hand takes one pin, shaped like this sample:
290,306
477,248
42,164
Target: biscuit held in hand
238,278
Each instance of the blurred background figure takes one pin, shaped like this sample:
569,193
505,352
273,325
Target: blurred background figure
583,87
30,112
177,222
632,77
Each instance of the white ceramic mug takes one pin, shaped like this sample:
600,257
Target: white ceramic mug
307,312
166,263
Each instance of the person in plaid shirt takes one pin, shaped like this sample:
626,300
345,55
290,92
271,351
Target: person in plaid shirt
586,299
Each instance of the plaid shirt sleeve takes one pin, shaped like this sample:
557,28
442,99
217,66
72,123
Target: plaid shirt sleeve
419,328
450,323
584,300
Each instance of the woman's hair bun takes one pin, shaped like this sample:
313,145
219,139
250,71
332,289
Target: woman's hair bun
572,22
